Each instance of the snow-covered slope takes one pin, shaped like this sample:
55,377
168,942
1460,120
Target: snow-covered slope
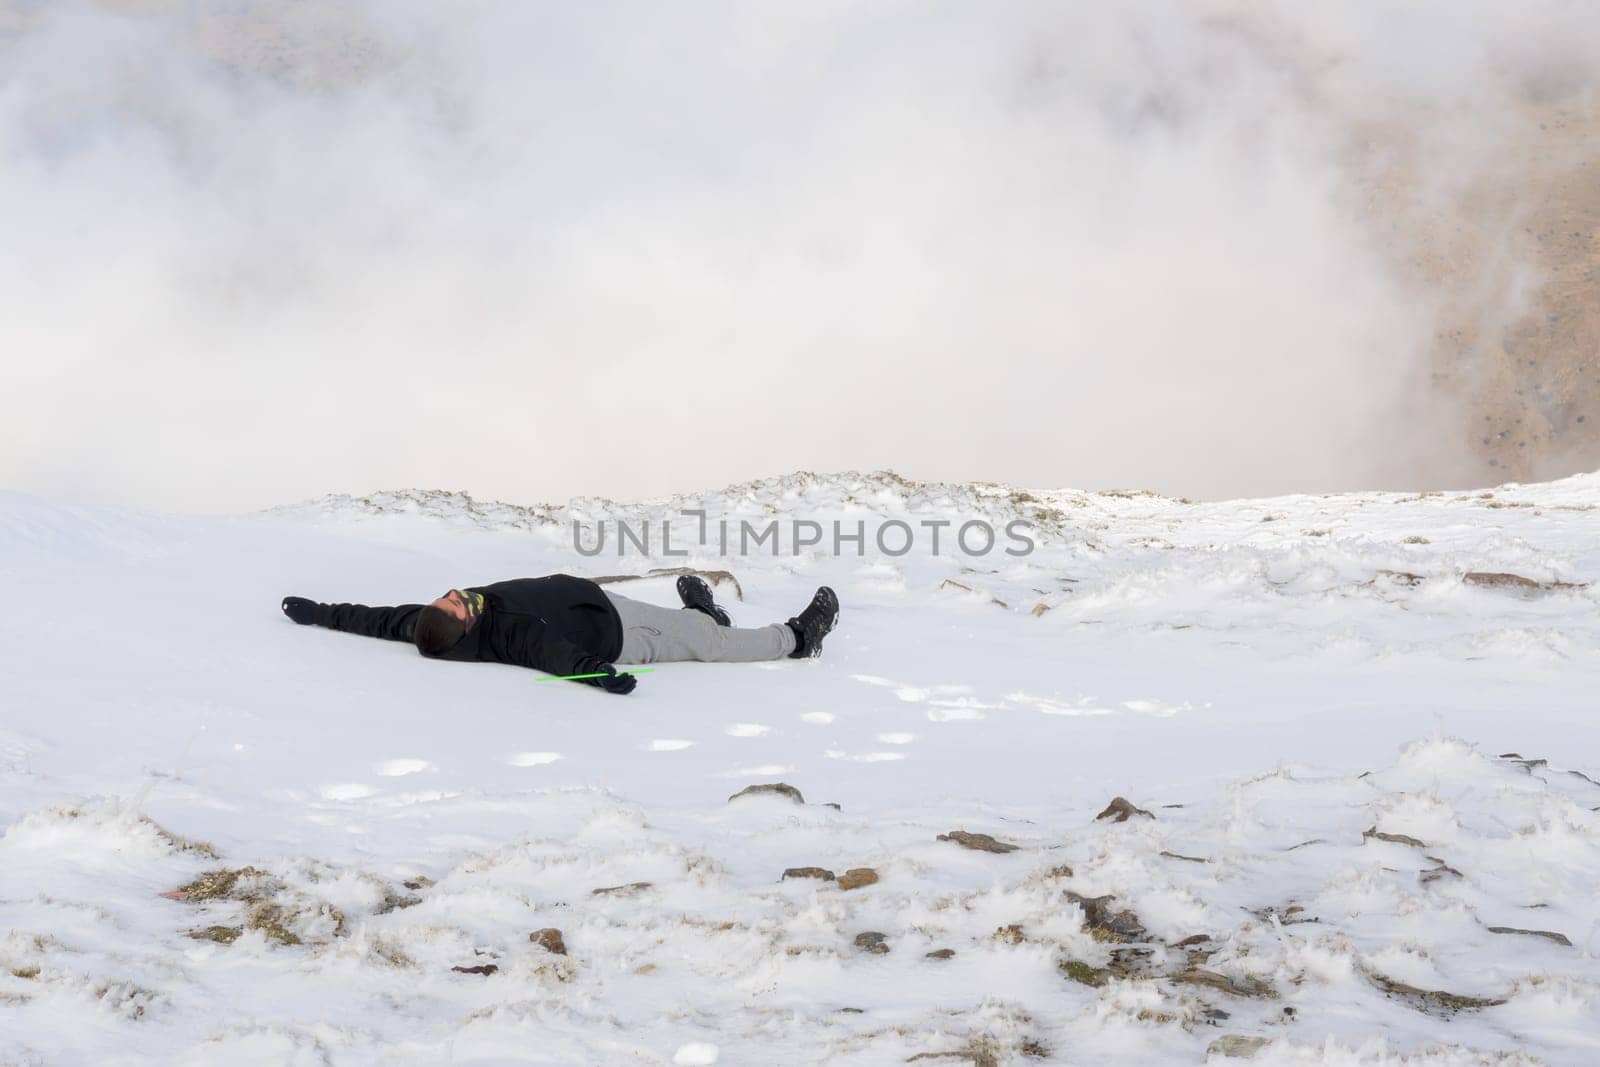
1268,679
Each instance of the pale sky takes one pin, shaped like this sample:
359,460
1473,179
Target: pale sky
257,254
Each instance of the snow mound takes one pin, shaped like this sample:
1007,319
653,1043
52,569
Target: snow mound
1451,888
1343,746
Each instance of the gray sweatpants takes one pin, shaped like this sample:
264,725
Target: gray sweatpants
652,634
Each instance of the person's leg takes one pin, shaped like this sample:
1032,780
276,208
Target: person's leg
652,634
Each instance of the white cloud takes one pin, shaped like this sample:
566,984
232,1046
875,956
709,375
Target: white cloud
265,251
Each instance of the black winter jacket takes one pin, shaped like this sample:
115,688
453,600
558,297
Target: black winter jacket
558,624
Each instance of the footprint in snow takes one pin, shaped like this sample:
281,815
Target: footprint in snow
865,757
896,739
916,694
669,744
1047,706
955,713
763,771
1086,706
747,729
696,1054
881,577
395,768
946,703
817,718
347,791
1154,707
532,759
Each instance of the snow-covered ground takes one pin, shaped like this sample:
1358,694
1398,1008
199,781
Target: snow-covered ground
231,840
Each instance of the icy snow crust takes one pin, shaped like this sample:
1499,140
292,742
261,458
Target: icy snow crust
1367,765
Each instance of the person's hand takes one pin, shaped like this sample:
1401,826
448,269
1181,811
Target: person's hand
300,609
612,682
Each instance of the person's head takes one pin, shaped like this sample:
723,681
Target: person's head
442,624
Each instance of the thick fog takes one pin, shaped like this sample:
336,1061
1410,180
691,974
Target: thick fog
257,251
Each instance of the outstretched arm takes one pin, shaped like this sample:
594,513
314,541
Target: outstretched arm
554,654
391,624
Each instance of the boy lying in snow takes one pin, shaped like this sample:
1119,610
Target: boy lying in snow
564,625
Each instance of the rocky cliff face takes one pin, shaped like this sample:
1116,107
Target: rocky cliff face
1509,253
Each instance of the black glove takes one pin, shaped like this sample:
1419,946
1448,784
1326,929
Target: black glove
300,609
612,682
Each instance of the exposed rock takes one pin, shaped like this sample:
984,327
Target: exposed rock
627,890
977,842
716,578
1130,963
1119,810
225,884
1402,577
395,902
858,877
391,954
1010,935
420,882
181,843
1397,839
485,969
1125,963
1286,916
340,927
940,954
809,872
873,942
1104,924
1549,935
1514,582
273,922
1180,856
1427,1000
1238,987
783,789
1237,1046
1191,941
222,935
1084,974
1060,870
551,939
1499,580
1435,873
982,1052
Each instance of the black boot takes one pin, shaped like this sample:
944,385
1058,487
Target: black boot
696,594
814,623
